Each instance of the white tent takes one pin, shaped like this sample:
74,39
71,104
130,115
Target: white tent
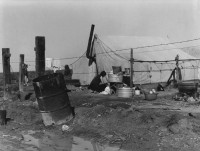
148,51
82,70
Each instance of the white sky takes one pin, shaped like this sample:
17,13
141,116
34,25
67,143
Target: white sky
66,24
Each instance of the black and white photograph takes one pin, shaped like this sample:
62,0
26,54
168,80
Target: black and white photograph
100,75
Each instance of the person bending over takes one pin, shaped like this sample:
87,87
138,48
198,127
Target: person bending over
97,83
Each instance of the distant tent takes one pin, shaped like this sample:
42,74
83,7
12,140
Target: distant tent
195,52
115,51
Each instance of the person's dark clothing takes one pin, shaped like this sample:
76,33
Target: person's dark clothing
25,70
26,73
95,84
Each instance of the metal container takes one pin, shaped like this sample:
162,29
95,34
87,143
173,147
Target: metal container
52,98
137,92
187,87
127,71
115,77
125,92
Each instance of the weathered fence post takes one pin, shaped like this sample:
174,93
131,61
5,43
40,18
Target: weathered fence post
178,70
40,55
21,74
131,70
6,69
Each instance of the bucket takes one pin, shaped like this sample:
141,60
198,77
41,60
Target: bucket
127,71
52,98
3,117
116,69
115,78
137,92
125,92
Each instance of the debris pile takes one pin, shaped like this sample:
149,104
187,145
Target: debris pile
187,98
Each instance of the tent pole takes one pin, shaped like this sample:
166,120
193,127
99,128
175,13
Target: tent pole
90,41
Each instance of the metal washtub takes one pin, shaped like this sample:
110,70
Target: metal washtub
125,92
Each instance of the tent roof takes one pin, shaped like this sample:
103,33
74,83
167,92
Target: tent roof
144,48
193,51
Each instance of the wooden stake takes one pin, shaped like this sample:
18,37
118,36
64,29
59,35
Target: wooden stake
21,74
40,55
6,68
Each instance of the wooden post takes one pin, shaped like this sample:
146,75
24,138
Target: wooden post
6,69
40,55
21,74
131,69
177,69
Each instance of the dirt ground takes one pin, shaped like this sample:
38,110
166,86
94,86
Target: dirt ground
104,123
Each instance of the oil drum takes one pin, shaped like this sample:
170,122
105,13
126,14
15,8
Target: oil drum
52,97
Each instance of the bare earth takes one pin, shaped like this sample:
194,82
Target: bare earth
105,123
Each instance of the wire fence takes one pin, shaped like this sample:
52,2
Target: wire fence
111,52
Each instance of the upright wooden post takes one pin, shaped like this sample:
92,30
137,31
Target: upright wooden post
40,55
6,68
21,74
131,68
178,71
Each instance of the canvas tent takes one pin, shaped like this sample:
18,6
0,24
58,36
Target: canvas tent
82,70
115,51
193,51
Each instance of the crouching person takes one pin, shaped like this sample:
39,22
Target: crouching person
97,83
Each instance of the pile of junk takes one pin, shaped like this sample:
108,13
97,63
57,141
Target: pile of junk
188,92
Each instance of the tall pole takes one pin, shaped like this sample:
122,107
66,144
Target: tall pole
131,68
177,69
40,55
6,68
21,74
90,41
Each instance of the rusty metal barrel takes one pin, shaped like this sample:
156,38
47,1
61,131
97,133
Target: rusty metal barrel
52,98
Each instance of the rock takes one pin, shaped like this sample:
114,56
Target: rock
174,128
182,126
185,124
